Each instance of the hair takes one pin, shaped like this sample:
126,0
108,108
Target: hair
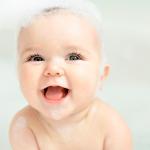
84,8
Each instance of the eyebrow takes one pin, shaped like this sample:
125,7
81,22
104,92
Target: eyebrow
77,48
67,48
28,50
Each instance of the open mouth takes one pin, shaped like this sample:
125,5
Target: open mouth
55,93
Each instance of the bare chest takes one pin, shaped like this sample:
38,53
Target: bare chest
85,138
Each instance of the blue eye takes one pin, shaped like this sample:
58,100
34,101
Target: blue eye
74,56
35,57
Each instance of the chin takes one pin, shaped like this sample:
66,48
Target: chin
58,113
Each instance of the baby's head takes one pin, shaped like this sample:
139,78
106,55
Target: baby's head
80,8
61,60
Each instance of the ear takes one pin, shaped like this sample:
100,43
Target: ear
105,72
103,75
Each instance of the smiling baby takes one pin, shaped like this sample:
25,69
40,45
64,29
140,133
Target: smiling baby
61,66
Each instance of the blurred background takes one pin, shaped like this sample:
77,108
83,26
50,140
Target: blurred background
127,43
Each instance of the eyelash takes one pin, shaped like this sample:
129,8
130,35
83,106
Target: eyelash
75,54
34,56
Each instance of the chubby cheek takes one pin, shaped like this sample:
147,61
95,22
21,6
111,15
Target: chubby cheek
28,81
85,81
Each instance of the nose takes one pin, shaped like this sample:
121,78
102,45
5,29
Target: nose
53,70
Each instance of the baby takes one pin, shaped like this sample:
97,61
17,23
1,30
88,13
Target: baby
61,66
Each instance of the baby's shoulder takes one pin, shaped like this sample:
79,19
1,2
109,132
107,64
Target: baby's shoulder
19,132
23,115
115,128
108,115
24,118
21,120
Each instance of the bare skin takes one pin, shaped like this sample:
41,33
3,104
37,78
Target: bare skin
81,122
98,127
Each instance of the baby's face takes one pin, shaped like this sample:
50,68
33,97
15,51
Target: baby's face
55,51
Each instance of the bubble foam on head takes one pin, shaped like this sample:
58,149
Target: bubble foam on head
31,8
17,12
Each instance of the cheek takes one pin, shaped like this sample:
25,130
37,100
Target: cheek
85,79
28,78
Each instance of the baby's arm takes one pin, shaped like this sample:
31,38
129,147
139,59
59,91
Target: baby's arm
118,136
21,137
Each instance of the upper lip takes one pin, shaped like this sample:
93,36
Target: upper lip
54,84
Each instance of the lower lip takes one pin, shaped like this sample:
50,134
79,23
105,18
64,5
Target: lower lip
56,101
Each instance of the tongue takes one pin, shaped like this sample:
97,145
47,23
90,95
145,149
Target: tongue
54,93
